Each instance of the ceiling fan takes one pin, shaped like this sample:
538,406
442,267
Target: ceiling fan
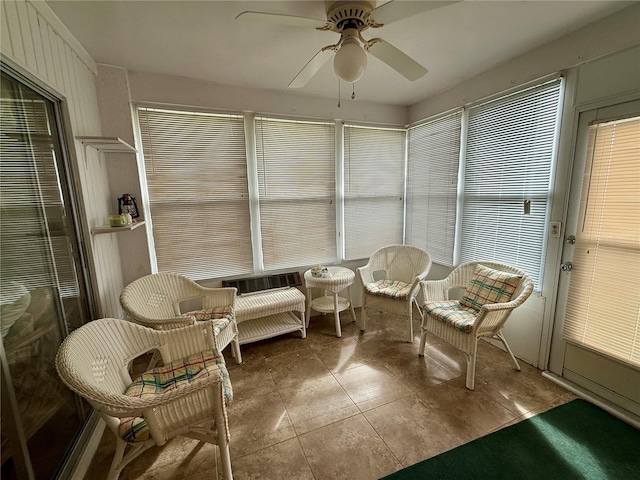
350,18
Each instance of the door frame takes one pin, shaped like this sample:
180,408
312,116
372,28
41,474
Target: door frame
610,109
69,175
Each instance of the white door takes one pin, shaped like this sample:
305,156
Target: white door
596,338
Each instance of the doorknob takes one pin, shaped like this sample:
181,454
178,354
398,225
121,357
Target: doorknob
566,267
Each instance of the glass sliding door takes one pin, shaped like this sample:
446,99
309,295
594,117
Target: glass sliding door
42,291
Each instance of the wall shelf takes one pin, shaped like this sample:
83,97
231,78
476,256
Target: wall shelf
107,144
110,229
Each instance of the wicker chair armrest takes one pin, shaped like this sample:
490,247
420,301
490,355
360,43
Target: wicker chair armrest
366,274
490,320
182,342
434,290
492,317
415,287
164,323
218,297
496,307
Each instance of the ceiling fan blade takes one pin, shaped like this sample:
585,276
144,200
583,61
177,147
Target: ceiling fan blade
396,59
278,19
311,68
392,11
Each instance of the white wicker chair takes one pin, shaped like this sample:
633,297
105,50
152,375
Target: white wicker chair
485,322
93,361
155,301
403,267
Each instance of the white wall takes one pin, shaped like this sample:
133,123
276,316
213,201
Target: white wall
611,34
114,100
148,87
38,45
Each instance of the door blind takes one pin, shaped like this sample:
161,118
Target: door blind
603,303
374,161
34,241
296,184
196,171
509,154
432,183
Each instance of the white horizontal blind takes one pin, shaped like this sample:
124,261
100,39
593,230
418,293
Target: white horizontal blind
34,239
510,148
374,161
196,172
296,183
603,303
432,183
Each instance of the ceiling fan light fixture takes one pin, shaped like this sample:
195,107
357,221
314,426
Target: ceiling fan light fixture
350,61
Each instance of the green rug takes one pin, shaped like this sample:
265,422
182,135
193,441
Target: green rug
573,441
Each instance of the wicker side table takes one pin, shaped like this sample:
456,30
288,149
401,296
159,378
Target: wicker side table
339,278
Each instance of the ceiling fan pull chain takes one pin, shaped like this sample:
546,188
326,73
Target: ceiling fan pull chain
338,93
353,92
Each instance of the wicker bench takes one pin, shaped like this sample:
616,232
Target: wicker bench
270,313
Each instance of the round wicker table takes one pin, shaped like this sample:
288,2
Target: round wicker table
338,279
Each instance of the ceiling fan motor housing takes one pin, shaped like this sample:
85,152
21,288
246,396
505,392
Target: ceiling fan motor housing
349,14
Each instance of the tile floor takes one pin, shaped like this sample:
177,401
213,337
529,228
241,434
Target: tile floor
357,407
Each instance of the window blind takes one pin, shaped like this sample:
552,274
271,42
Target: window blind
296,185
374,171
34,238
603,303
432,184
509,153
196,171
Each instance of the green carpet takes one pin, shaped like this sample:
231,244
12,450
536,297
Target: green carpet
573,441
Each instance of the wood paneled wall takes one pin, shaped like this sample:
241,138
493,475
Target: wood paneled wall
35,42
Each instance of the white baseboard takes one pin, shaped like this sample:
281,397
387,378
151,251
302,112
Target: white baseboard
613,409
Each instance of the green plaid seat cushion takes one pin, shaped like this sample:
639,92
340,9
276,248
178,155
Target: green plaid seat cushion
389,288
452,313
168,377
489,286
222,315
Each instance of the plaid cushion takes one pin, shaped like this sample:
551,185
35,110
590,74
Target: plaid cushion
389,288
222,314
169,377
489,286
452,313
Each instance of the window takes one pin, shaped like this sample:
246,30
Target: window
196,173
296,188
432,185
219,208
603,307
374,170
509,154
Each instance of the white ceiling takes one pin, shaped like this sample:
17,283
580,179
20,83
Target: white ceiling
201,40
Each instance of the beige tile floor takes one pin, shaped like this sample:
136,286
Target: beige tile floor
357,407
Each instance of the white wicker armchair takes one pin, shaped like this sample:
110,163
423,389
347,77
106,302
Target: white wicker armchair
93,362
156,301
465,326
403,267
